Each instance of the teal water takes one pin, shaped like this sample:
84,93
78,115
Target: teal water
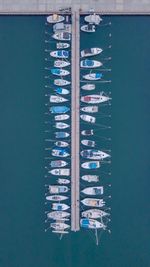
23,242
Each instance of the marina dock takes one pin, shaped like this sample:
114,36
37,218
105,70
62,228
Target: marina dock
75,132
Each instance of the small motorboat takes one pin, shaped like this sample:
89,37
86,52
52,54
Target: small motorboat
59,226
62,45
61,82
90,178
56,198
94,99
60,172
58,163
60,152
57,99
59,109
94,190
87,132
93,76
62,91
93,202
57,215
61,134
60,72
92,224
63,181
55,18
88,86
61,144
91,52
86,142
94,154
90,109
62,27
88,118
62,36
59,206
93,19
61,63
89,63
92,165
94,213
61,125
62,117
88,28
57,189
59,54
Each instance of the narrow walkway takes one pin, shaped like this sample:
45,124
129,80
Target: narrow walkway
75,132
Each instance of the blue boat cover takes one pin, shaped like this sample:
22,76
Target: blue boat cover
59,90
98,75
93,165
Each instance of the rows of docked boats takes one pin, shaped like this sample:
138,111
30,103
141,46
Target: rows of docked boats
94,213
57,194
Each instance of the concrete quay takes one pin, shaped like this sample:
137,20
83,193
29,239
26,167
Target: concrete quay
50,6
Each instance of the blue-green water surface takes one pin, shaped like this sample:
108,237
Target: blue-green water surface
23,242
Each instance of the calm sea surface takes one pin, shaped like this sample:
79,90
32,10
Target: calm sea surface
23,242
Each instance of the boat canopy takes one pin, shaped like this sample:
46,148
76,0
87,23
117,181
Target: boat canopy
88,62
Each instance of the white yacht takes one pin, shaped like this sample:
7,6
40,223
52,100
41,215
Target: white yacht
61,125
63,181
58,215
60,45
90,178
59,226
61,82
56,198
61,63
59,172
86,142
88,86
93,202
90,109
62,36
94,99
92,165
62,27
55,18
92,224
61,117
59,54
57,99
60,152
91,52
60,206
88,118
88,28
94,190
90,64
58,163
61,143
94,154
93,76
94,213
56,189
93,19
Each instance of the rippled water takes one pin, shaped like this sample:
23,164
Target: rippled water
23,242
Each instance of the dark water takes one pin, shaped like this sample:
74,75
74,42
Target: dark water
23,242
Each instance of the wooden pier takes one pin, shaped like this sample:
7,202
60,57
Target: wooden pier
75,125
